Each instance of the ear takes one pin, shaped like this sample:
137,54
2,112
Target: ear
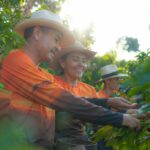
37,33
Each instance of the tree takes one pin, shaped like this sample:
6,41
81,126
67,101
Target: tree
10,14
139,83
128,43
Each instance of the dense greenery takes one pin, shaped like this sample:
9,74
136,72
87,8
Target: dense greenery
138,84
137,87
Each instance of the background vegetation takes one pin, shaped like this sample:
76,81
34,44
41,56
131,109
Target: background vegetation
12,11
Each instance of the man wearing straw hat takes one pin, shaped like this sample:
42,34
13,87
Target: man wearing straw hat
35,94
110,77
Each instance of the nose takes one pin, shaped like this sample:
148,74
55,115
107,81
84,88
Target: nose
56,49
82,64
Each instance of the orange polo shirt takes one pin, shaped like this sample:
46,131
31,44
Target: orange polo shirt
71,127
102,94
24,78
81,89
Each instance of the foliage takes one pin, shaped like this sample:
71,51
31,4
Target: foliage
11,137
128,43
139,83
9,15
124,138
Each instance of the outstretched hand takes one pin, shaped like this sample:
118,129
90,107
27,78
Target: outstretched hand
131,122
119,103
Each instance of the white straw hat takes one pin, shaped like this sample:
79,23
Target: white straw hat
48,19
110,71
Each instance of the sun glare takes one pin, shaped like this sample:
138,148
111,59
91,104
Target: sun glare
78,13
111,20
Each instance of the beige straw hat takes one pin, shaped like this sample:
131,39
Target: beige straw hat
75,47
48,19
110,71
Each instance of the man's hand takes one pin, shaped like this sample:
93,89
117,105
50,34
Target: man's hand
135,106
130,122
134,113
119,103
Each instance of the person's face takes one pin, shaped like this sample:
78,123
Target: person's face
47,43
74,65
113,83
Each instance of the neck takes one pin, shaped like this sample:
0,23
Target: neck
31,51
68,79
108,90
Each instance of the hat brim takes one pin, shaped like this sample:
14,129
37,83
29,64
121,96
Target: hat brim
111,77
67,38
56,66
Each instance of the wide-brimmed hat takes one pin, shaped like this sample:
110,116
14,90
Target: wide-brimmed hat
48,19
75,47
110,71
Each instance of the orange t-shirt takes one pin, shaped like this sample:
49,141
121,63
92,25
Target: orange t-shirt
81,89
73,128
20,75
102,94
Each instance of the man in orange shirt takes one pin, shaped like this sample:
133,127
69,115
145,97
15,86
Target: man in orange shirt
35,94
110,78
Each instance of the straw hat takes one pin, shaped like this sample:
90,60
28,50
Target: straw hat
75,47
110,71
48,19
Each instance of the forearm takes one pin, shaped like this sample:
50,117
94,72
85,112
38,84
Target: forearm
84,110
99,101
62,100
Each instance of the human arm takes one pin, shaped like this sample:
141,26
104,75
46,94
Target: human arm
21,76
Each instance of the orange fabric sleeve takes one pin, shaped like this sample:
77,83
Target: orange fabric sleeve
21,75
102,94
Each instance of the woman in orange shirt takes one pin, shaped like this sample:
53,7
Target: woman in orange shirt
72,62
110,78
